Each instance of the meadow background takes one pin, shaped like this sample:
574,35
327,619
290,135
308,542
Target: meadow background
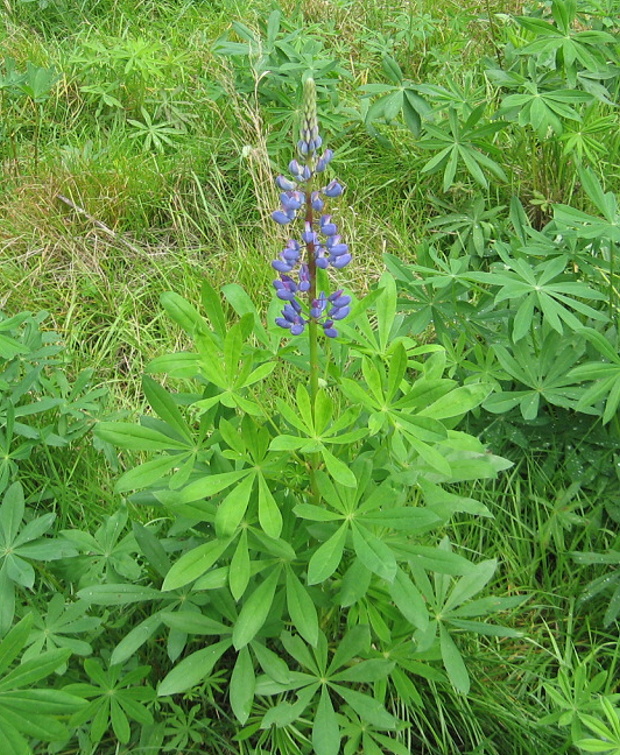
479,143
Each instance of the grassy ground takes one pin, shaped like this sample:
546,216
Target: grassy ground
147,165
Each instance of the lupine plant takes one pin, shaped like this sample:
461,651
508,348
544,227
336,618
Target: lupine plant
308,468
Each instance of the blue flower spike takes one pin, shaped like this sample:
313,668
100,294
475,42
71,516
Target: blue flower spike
320,245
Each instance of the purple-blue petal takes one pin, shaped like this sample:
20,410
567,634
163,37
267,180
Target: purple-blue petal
281,217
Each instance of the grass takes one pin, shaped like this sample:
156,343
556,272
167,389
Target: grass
143,220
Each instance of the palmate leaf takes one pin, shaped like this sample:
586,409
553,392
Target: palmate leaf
192,669
30,711
453,661
301,609
255,610
325,732
326,559
242,684
373,553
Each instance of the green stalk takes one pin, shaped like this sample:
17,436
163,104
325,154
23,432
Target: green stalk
313,342
312,295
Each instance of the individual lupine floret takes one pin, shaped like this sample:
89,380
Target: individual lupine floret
339,255
292,318
286,288
339,305
333,189
327,227
290,202
329,330
288,258
323,161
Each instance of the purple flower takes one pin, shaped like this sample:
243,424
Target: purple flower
316,201
319,235
304,278
327,227
291,200
282,217
285,184
340,262
286,288
318,306
309,236
333,189
329,330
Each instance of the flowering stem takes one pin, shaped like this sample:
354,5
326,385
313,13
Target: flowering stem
312,294
313,342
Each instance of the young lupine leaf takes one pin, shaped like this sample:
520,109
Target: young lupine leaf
386,310
269,514
396,372
372,378
11,513
296,647
284,714
409,519
243,305
151,548
165,407
287,443
367,708
239,572
325,732
431,456
213,307
315,513
355,642
365,671
409,601
323,410
233,344
12,644
137,437
242,684
183,313
304,405
355,583
31,671
301,609
489,630
232,509
326,559
458,401
255,610
453,661
446,504
117,595
194,564
146,474
192,622
134,640
470,584
271,663
193,669
373,553
338,469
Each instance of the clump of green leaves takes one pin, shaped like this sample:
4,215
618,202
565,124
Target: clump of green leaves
39,406
268,556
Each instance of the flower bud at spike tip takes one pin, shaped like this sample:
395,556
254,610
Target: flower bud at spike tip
309,140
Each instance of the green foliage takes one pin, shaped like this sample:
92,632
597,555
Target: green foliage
272,538
26,711
39,406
